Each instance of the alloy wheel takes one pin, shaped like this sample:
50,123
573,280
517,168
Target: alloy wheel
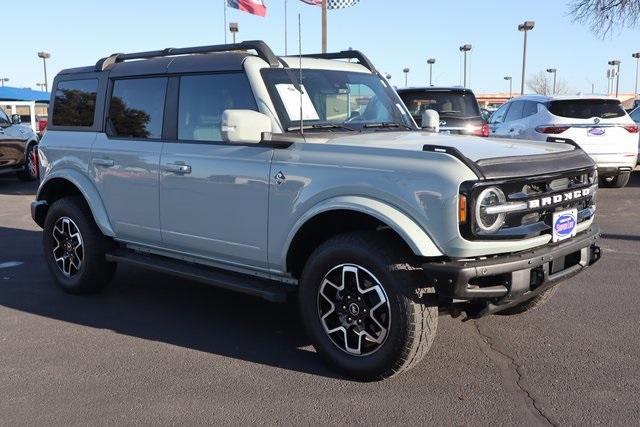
68,252
354,309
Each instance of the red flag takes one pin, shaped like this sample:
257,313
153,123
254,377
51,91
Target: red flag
254,7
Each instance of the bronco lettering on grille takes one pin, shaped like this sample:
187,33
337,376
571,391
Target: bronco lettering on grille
558,198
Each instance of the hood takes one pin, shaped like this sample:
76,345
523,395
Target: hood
487,158
474,148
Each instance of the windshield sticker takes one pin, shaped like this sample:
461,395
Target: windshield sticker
292,99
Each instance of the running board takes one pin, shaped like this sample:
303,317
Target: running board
269,290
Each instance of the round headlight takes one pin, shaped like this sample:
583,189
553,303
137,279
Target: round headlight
491,196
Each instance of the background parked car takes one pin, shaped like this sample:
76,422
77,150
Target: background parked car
599,125
635,115
458,108
17,148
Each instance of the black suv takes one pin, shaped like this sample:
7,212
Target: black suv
18,144
458,108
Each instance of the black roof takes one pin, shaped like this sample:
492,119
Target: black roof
226,57
226,61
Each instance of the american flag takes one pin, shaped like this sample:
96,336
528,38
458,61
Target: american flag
332,4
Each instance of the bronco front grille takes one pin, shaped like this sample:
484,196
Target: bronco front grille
534,200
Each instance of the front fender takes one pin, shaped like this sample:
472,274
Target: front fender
417,239
88,191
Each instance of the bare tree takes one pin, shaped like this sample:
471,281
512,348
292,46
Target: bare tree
606,16
542,84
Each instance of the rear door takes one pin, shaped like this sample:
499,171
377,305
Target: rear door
214,195
125,160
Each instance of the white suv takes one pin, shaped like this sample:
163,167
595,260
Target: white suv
598,124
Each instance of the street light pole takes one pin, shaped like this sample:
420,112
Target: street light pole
45,56
510,85
554,72
3,80
465,48
406,75
41,86
431,61
616,63
526,26
637,57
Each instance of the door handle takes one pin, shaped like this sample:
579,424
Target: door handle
177,168
107,163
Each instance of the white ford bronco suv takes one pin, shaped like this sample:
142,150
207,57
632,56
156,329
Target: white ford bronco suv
304,176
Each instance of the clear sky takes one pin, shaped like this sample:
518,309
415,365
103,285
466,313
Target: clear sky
393,33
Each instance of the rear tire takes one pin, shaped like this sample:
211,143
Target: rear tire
618,181
75,248
536,302
382,322
30,172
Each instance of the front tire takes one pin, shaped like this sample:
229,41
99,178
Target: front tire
75,248
618,181
365,308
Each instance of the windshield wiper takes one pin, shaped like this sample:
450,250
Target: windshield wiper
322,126
387,125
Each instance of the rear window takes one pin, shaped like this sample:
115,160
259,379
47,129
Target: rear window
75,103
446,103
137,108
587,108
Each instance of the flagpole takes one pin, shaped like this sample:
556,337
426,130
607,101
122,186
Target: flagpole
285,28
225,21
324,26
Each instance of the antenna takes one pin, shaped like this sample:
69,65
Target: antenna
300,70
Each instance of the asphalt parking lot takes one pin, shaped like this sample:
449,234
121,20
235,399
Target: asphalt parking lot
157,350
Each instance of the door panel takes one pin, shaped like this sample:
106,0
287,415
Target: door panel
126,173
214,201
13,140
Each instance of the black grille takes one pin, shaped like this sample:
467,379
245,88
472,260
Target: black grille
533,221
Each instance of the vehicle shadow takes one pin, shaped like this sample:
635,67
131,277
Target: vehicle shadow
162,308
634,181
11,186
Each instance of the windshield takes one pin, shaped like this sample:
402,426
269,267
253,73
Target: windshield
453,104
587,108
335,100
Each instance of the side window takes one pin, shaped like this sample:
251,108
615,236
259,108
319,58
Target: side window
635,115
515,112
530,108
498,116
204,98
137,108
4,119
75,103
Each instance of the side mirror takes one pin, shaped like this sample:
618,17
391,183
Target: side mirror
244,126
15,119
431,121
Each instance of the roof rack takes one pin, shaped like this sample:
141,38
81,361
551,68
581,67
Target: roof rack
261,48
345,54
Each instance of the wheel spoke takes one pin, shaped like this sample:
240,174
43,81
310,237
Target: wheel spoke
68,251
355,314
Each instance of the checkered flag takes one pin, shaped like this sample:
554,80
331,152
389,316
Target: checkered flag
333,4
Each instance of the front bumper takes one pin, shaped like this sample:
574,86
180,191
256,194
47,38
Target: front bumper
490,285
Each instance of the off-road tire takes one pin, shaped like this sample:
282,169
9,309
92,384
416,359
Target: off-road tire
30,171
535,302
413,309
94,272
618,181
